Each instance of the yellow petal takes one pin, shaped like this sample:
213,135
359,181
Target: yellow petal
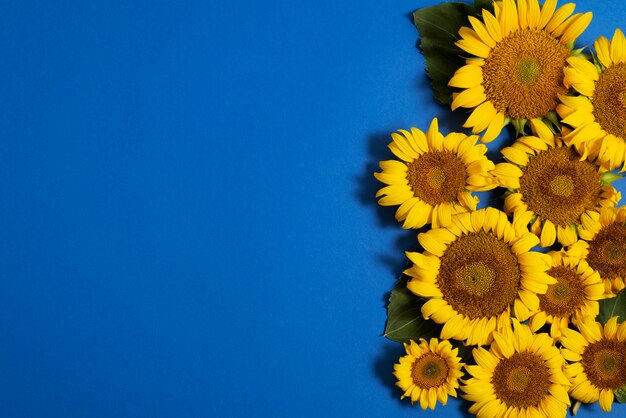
481,31
546,13
603,50
584,66
466,77
493,26
576,27
481,117
618,47
559,16
469,98
495,127
548,234
534,14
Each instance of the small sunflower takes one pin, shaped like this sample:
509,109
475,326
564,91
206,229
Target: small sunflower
598,115
604,248
598,356
516,72
574,296
474,272
435,177
520,376
551,187
429,372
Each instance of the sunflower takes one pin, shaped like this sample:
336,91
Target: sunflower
429,372
598,356
520,376
516,69
435,177
474,272
604,247
574,296
598,114
551,187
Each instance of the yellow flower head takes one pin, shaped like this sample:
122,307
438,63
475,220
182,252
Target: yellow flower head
604,248
598,115
435,177
520,376
573,297
551,187
429,372
516,71
474,272
598,360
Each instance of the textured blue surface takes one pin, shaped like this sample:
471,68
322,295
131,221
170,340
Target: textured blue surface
187,217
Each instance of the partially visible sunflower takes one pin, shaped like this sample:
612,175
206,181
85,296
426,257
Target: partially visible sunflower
520,376
598,356
516,72
474,272
573,297
598,115
429,372
551,187
604,247
435,177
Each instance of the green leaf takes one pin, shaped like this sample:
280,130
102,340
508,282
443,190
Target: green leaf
620,394
613,307
439,27
483,4
404,316
465,351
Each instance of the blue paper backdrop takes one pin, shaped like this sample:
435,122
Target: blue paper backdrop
188,223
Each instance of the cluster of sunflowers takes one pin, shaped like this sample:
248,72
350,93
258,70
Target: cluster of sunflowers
531,316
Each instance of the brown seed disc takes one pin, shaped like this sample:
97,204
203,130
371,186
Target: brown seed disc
609,100
557,186
565,296
522,380
524,74
430,370
479,275
604,363
607,252
437,177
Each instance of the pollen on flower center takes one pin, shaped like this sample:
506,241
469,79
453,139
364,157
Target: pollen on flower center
604,363
609,106
476,278
437,177
523,74
428,371
562,185
528,70
566,295
479,275
522,380
607,251
559,187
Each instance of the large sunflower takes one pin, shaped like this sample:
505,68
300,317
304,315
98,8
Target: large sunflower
598,115
516,72
429,372
435,177
573,297
598,356
551,187
604,247
474,272
520,376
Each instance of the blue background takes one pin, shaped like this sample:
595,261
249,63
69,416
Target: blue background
187,218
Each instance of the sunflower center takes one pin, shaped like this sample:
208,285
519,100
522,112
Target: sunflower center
522,380
429,371
607,251
479,275
477,278
437,177
565,296
557,186
524,74
562,186
528,70
604,363
609,107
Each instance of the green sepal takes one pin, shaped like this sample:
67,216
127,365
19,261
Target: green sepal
519,125
608,178
439,27
552,121
405,321
613,307
620,394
